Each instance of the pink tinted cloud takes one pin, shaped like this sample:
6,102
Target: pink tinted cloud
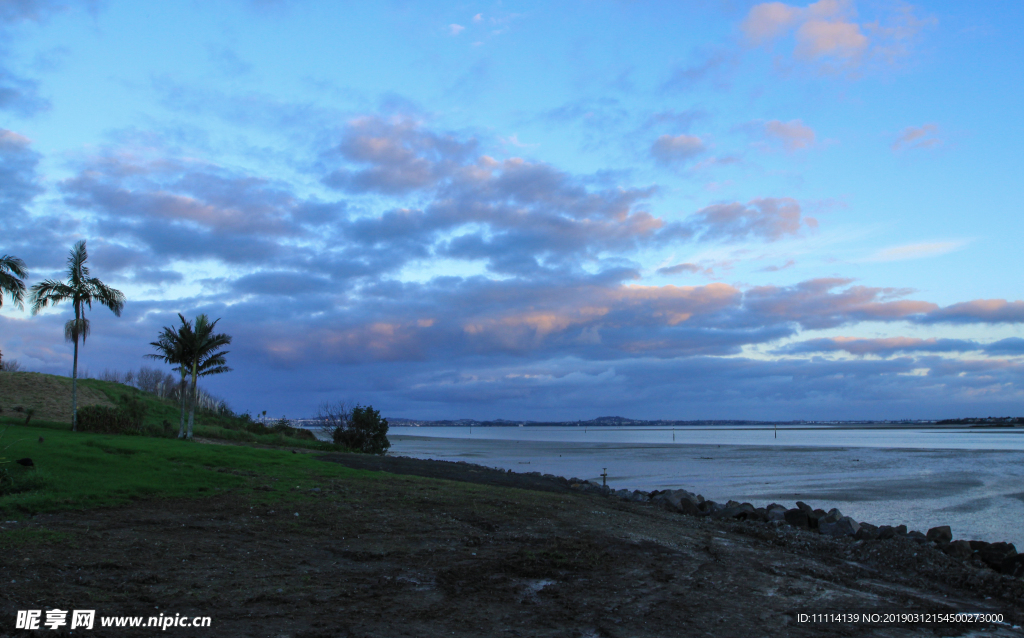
925,136
793,135
766,218
813,304
979,311
828,34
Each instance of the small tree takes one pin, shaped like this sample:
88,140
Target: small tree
205,358
364,432
332,418
173,348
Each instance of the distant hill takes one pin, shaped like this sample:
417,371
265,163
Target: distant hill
49,395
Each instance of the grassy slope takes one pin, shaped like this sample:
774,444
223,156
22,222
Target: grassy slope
29,389
49,395
83,470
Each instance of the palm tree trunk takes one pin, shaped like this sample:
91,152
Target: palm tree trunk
192,401
181,428
74,390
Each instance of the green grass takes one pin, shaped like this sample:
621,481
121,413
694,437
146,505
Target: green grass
12,539
79,470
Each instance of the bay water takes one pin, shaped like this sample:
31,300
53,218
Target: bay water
971,479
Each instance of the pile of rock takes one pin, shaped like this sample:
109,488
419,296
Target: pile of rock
1002,557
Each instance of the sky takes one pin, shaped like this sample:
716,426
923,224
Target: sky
531,210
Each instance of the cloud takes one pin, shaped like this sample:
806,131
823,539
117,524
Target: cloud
813,304
681,268
789,264
880,347
227,61
793,135
915,251
827,34
18,181
396,155
925,136
710,67
680,120
979,311
672,149
455,29
767,218
543,303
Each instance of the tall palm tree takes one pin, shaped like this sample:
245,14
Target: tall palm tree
205,358
81,290
172,348
12,271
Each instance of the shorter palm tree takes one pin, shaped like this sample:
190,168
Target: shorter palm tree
172,348
205,358
81,290
12,271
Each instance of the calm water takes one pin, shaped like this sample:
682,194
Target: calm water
970,479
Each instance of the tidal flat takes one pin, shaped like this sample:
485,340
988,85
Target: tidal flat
979,493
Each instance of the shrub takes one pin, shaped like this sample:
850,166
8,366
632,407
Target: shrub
102,419
365,431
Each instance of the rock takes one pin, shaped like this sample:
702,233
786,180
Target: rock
1013,566
832,516
625,495
942,534
901,530
994,554
917,537
776,513
845,526
804,506
732,504
960,550
678,501
730,512
977,546
867,532
638,496
797,517
743,512
885,532
761,514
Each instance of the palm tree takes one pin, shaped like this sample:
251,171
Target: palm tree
12,271
172,348
204,357
81,290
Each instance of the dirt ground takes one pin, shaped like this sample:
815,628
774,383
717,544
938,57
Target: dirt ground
485,554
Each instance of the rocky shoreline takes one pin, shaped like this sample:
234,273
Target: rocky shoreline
1001,557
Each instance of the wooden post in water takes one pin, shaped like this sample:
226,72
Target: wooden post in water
604,477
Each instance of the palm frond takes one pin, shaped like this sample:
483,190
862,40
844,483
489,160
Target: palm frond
14,287
76,328
104,294
13,265
50,292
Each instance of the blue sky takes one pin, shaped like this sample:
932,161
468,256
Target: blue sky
519,210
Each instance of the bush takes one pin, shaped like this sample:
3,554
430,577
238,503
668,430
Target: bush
105,420
365,431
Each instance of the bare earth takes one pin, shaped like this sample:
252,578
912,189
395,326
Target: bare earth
484,554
